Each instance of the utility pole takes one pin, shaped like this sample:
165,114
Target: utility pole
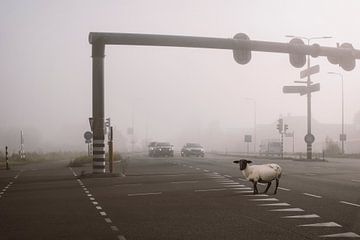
111,154
6,158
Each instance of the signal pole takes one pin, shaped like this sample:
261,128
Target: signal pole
6,158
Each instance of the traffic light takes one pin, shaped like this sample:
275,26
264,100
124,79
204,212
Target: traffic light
346,62
242,56
297,60
280,125
286,127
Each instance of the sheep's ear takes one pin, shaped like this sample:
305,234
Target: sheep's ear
237,161
248,161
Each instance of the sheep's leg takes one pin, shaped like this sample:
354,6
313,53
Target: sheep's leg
267,187
277,185
255,188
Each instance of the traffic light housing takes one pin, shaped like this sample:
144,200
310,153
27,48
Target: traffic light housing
286,127
243,55
346,62
297,60
280,125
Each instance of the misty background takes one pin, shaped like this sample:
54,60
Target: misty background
170,94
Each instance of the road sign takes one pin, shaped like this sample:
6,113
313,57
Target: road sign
87,141
312,88
302,90
247,138
310,71
88,135
309,138
91,121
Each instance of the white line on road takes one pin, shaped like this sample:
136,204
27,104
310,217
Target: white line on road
121,237
241,188
108,220
205,170
274,205
303,216
114,228
349,203
264,199
228,176
285,189
95,203
324,224
210,190
243,192
287,210
312,195
143,194
242,179
197,168
103,213
184,182
257,195
237,186
229,183
89,195
98,207
338,235
355,180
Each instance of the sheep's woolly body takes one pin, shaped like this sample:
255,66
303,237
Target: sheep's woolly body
262,173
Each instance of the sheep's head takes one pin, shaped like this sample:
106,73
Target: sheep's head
243,163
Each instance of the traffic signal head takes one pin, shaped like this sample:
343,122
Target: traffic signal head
286,127
346,62
243,55
280,125
297,60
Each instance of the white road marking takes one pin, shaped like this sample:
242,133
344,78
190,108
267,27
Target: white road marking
205,170
312,195
303,216
349,203
274,205
229,183
263,184
355,180
264,199
184,182
224,180
108,220
103,213
338,235
191,167
95,203
92,199
257,195
121,237
236,186
210,190
89,195
1,193
241,188
87,191
228,176
143,194
285,189
197,168
243,192
98,207
324,224
114,228
287,210
216,173
242,179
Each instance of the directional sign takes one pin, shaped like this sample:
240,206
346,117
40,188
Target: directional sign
302,90
310,71
247,138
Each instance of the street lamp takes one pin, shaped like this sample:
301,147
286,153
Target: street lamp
342,136
254,102
308,83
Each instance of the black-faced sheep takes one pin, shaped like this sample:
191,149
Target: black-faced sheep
265,173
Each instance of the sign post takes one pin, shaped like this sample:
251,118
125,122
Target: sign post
247,139
7,158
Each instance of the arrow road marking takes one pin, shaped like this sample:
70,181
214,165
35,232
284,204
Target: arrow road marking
337,235
325,224
303,216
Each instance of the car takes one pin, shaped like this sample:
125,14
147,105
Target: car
151,147
192,149
163,149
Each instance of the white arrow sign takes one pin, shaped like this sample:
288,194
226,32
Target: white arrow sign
310,71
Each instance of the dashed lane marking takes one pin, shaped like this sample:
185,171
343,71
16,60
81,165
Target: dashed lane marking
108,220
274,205
205,170
242,188
92,199
98,207
303,216
103,213
285,189
210,190
287,210
121,237
339,235
144,194
239,192
257,195
264,199
312,195
95,203
324,224
228,176
349,203
236,186
242,179
179,182
114,228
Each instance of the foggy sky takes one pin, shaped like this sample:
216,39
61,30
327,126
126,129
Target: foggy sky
45,66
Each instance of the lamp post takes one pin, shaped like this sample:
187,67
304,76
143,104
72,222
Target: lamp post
342,136
254,102
308,83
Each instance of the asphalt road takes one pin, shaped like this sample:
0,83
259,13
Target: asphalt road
180,198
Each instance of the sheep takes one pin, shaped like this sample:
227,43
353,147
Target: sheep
265,173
